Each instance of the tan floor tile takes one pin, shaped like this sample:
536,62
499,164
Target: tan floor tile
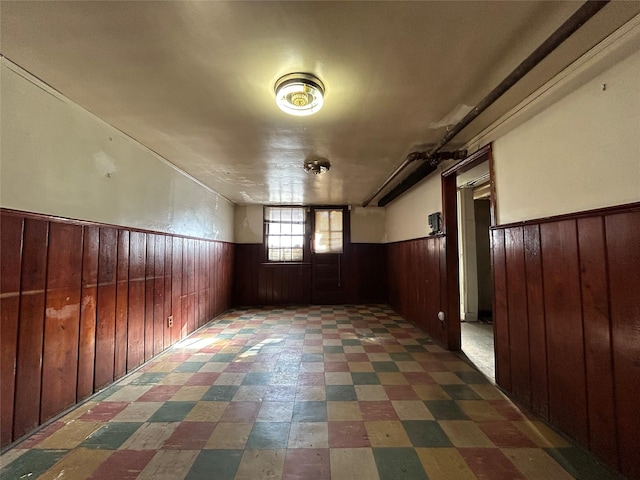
176,379
309,435
312,366
313,348
446,378
459,366
536,464
465,434
392,378
164,367
435,349
230,379
79,463
354,349
379,357
250,393
411,410
69,436
308,393
150,436
387,434
335,357
78,411
275,412
169,465
206,412
370,393
479,410
360,367
488,391
137,412
431,392
10,455
392,348
541,434
423,357
213,367
229,436
261,464
353,463
130,378
343,411
409,367
332,342
189,393
338,378
128,393
231,348
444,464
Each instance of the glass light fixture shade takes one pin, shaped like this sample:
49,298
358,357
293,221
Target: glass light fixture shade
299,94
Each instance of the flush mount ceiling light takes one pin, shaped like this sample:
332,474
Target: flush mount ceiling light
299,94
317,165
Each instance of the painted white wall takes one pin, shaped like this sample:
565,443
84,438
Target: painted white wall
58,159
368,225
581,153
248,224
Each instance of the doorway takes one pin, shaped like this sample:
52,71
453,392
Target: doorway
471,206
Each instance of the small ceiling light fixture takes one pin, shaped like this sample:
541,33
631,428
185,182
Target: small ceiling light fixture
299,94
317,165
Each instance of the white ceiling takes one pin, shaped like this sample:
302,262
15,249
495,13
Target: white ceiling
193,80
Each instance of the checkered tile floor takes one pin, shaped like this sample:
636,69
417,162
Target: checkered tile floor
347,392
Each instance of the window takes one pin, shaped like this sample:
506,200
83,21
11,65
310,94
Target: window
327,236
284,229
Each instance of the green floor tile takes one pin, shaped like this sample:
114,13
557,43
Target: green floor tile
472,378
414,348
426,433
188,367
580,464
341,393
32,464
309,412
385,366
223,357
461,392
106,393
333,349
398,463
401,357
149,378
351,342
365,378
312,357
256,379
445,410
269,435
111,436
220,393
172,412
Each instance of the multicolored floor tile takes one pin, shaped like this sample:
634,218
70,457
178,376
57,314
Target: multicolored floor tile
322,393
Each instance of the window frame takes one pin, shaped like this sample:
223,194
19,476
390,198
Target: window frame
305,240
312,242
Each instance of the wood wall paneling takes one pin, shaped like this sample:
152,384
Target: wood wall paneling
518,315
31,326
62,317
148,297
106,325
159,321
168,281
565,339
136,303
122,305
623,258
176,290
537,328
500,310
88,312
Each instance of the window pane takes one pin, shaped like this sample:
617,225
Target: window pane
285,228
328,231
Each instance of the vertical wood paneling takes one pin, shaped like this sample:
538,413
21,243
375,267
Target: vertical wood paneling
598,360
623,256
168,281
537,329
62,318
159,321
122,305
135,326
501,311
106,327
176,290
31,331
518,315
565,339
10,272
149,292
88,312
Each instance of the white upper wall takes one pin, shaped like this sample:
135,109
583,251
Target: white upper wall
368,225
248,224
58,159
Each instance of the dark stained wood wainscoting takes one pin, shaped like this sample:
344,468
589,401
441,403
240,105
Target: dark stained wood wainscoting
261,283
415,272
567,325
83,304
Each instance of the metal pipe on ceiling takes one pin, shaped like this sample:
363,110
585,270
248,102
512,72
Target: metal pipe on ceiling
570,26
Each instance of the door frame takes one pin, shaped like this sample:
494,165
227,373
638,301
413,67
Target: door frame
451,283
